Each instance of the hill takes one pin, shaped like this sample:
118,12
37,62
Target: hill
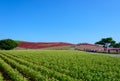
41,45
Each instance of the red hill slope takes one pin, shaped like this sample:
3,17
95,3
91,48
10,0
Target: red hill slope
39,45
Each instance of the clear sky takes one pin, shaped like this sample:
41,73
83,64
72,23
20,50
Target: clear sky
73,21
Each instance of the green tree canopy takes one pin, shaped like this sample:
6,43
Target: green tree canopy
7,44
106,42
117,45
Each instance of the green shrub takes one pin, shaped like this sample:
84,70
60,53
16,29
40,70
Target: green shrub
7,44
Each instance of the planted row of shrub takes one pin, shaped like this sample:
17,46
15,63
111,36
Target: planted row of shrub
43,70
13,74
27,71
52,67
1,77
72,65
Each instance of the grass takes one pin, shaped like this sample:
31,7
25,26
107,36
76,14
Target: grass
18,41
59,65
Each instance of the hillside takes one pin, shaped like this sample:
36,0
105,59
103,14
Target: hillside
40,45
58,46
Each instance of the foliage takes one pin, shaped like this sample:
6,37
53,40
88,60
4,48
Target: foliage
51,65
39,45
106,42
7,44
1,77
14,75
117,45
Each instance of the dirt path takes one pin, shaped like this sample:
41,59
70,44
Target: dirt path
116,55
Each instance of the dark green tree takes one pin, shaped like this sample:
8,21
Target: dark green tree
106,42
7,44
117,45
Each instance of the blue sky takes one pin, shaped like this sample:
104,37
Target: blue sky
73,21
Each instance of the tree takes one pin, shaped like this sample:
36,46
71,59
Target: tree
106,42
7,44
117,45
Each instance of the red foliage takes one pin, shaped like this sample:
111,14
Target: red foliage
38,45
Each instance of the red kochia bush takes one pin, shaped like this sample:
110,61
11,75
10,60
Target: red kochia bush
38,45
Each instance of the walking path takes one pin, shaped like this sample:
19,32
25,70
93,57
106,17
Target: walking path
116,55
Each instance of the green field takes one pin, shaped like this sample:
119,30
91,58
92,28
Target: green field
59,65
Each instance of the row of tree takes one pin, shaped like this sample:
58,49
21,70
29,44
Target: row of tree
108,42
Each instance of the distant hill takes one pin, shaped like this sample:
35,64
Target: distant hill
58,46
41,45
